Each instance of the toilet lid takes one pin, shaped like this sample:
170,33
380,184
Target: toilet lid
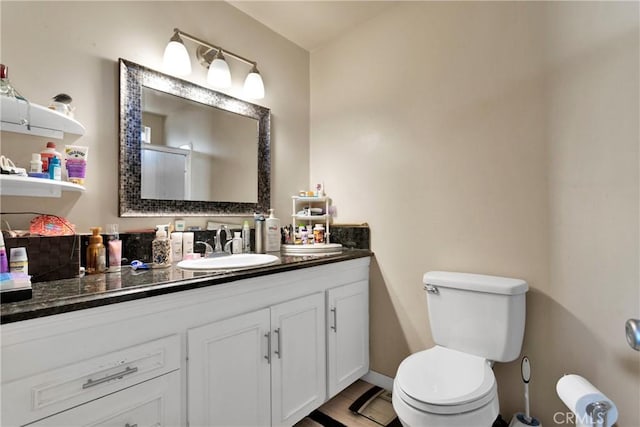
442,380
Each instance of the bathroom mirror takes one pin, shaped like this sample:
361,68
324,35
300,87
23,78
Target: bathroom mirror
186,150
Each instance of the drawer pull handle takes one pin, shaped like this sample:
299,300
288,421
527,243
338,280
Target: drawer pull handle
130,425
128,371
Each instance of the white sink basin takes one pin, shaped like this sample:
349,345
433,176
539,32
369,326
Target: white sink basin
229,262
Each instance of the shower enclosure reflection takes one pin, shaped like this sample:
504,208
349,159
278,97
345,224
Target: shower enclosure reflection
193,151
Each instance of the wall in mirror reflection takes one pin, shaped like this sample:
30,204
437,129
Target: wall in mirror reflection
193,151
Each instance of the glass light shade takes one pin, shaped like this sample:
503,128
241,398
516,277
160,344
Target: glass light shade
253,85
176,59
219,74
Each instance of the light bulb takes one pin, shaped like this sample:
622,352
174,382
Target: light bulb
176,58
253,85
219,74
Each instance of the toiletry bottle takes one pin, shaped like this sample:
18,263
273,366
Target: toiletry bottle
6,88
318,233
246,238
187,244
55,172
96,253
35,166
18,262
176,246
4,262
259,234
47,154
304,235
236,243
272,225
115,248
161,249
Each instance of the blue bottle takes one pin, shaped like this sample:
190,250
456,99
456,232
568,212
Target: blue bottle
54,169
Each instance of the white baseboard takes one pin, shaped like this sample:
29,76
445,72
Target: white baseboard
378,379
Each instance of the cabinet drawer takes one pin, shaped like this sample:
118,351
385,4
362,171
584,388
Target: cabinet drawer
46,393
153,403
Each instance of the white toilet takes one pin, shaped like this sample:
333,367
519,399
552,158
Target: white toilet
475,320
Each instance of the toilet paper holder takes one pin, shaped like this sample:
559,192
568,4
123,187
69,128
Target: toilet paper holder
598,411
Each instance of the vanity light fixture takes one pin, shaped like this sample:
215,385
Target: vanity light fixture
177,61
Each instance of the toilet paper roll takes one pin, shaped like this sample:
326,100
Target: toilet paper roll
576,392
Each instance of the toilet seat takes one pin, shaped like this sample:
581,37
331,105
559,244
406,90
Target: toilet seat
445,381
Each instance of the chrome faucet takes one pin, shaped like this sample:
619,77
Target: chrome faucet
219,247
208,250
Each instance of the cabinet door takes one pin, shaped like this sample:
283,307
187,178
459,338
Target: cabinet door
347,334
228,380
298,370
153,403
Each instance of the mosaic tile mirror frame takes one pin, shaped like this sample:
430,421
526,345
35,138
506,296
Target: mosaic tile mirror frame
133,77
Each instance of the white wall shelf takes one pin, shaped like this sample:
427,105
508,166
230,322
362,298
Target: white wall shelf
35,187
44,121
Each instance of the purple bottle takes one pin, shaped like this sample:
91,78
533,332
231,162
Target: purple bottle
4,262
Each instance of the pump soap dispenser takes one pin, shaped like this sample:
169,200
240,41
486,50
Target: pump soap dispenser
161,248
96,253
273,232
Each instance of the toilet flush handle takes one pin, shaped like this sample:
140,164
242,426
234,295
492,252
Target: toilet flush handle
632,331
431,289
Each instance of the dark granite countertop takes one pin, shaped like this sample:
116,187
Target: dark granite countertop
61,296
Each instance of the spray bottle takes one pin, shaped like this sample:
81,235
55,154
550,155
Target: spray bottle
259,233
246,238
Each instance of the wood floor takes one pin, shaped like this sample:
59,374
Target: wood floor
338,408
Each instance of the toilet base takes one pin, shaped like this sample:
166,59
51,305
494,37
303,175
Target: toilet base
411,417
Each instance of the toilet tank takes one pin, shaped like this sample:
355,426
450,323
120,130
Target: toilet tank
477,314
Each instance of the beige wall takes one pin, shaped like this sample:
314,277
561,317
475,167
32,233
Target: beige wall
499,138
73,47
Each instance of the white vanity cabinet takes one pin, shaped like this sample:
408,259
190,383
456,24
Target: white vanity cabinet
77,381
258,351
262,368
153,403
347,335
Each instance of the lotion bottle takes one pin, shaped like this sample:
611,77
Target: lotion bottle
273,232
115,248
96,253
236,243
187,244
19,263
176,246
